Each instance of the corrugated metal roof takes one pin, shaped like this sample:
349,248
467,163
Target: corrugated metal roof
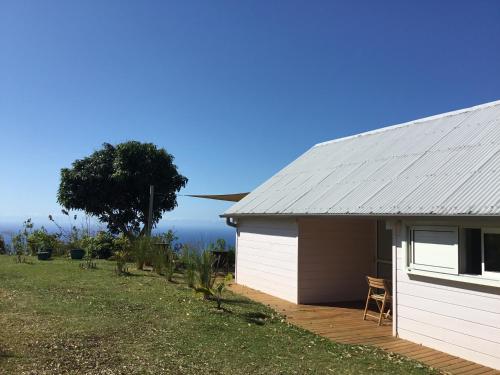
447,164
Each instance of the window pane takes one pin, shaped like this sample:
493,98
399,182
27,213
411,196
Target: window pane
492,252
472,246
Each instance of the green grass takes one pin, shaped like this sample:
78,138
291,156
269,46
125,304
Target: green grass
57,318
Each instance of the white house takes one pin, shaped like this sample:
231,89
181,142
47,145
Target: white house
417,202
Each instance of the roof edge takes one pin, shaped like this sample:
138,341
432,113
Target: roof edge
423,119
242,215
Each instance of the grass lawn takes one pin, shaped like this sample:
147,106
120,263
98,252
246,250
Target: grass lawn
56,318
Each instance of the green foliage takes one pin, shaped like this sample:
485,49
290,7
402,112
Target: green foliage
121,253
142,251
89,244
189,262
73,236
217,290
104,244
112,184
40,240
121,257
163,257
3,245
205,271
19,246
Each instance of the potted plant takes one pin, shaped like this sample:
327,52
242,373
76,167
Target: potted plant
77,254
43,255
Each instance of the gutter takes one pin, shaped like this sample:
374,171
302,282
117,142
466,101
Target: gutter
231,223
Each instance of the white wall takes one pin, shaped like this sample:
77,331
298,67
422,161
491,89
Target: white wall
335,256
454,317
267,252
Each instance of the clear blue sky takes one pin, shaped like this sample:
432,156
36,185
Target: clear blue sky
234,89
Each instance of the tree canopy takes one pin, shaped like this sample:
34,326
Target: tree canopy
112,184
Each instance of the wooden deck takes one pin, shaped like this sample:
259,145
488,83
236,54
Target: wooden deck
344,323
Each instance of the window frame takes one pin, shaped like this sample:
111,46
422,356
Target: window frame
488,274
487,278
433,228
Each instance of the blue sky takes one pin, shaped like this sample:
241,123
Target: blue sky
234,89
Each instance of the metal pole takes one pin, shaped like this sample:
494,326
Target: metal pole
150,212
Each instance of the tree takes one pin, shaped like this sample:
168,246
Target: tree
112,184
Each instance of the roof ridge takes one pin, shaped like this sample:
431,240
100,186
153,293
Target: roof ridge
423,119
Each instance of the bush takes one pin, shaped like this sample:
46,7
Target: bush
40,240
189,262
3,245
19,246
205,271
104,245
142,251
163,255
121,254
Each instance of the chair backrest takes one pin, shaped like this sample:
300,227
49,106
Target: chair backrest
383,284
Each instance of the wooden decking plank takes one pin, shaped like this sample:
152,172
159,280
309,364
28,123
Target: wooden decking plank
344,323
468,370
461,367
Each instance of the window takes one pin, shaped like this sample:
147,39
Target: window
471,261
434,249
473,256
491,251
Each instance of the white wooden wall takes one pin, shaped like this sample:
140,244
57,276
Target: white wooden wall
453,317
267,251
335,256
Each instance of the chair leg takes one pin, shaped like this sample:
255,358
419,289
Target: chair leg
367,302
381,313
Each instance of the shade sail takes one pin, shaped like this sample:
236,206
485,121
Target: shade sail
236,197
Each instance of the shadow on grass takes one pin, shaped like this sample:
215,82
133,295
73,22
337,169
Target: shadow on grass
257,318
237,301
5,354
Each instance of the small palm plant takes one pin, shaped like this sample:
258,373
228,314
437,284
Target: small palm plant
122,248
121,257
217,290
189,261
205,272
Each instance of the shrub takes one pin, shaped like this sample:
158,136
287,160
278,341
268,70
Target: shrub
216,291
189,261
104,243
40,240
3,245
89,244
163,256
205,271
142,250
121,257
121,254
19,247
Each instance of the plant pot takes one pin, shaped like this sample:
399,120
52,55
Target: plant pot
43,255
77,253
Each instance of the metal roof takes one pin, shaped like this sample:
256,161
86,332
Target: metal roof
446,165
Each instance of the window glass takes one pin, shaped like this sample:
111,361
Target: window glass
472,258
492,252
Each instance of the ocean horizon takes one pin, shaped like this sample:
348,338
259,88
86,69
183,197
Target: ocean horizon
197,235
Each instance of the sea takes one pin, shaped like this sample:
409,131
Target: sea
198,235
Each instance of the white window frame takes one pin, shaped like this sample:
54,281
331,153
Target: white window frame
433,228
488,274
487,278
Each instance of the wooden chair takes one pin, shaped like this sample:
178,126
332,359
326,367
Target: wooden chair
379,290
